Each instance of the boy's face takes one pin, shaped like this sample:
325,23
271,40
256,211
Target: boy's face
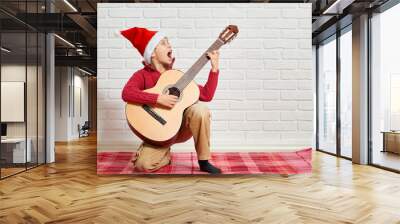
163,53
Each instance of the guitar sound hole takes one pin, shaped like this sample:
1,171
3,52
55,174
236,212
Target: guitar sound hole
174,91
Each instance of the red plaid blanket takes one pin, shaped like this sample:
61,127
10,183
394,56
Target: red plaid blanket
296,162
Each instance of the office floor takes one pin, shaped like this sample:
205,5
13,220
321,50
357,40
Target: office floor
69,191
10,170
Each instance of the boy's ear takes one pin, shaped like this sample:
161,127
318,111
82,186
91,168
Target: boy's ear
153,55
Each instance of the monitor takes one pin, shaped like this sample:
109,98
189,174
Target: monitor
3,129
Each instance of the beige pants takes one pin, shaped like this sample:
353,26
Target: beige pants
196,123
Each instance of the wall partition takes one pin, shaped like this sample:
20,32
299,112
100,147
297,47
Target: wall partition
22,87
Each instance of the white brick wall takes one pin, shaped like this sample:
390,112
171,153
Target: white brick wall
264,98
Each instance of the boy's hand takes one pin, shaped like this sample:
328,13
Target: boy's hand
167,100
214,58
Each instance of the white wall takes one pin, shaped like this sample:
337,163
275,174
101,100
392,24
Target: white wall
264,98
66,81
33,126
81,82
61,103
12,73
17,73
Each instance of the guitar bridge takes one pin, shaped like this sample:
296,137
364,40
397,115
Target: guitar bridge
152,113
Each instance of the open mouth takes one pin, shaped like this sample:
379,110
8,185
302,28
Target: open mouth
169,54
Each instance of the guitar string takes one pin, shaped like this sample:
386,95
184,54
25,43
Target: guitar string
199,61
196,67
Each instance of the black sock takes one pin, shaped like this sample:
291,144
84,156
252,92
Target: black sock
208,167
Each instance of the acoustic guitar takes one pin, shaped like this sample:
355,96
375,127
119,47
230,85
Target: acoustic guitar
159,125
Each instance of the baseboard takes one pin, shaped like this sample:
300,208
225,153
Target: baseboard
186,147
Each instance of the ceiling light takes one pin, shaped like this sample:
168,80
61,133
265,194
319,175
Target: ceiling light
70,5
84,71
65,41
338,6
5,50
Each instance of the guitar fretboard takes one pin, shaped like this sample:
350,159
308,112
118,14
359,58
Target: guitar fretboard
197,66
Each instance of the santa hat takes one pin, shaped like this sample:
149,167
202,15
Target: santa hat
144,40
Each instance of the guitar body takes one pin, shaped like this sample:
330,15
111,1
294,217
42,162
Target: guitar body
161,132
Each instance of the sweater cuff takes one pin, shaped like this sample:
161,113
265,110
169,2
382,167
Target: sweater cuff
152,99
214,73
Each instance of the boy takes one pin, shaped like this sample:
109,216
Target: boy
157,54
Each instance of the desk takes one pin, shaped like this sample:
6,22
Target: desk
13,150
391,141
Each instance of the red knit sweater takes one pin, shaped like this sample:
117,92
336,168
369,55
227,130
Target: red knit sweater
147,78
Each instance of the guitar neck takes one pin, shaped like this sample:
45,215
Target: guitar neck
197,66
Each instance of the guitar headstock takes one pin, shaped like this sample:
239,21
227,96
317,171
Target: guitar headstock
229,33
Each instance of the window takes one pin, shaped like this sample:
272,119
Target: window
327,95
385,89
346,92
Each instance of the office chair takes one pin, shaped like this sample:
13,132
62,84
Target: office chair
84,130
